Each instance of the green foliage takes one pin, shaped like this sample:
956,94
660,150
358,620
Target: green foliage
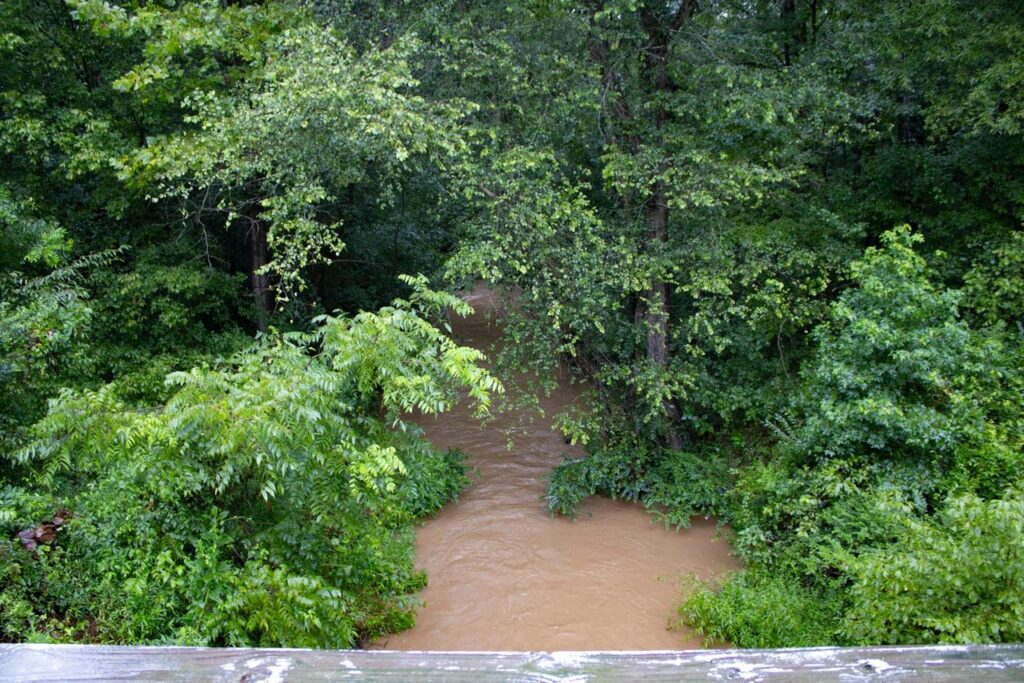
891,366
154,319
675,485
891,503
956,578
994,286
758,609
674,199
684,485
279,148
164,307
27,238
42,311
745,297
976,91
267,502
617,473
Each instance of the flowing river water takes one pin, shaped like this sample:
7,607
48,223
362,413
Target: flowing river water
504,575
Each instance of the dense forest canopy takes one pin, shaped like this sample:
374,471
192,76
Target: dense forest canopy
780,240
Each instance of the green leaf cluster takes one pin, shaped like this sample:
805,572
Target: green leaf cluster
267,502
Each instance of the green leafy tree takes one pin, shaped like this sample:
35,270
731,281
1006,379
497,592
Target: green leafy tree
902,436
44,308
272,147
268,502
884,382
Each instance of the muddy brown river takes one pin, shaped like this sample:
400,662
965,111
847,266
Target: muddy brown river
504,575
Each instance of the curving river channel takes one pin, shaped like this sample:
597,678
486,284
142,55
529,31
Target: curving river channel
504,575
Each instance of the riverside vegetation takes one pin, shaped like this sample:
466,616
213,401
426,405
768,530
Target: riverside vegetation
780,240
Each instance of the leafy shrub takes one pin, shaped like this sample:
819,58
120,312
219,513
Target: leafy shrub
901,396
674,485
883,513
616,471
685,484
994,286
165,307
44,307
955,578
888,377
267,502
760,609
153,319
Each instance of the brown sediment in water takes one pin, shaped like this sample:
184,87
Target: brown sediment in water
504,575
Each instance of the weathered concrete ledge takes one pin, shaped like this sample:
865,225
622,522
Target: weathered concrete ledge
93,663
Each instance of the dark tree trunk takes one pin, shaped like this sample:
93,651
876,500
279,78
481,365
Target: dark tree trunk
652,313
789,30
814,21
655,300
660,30
259,256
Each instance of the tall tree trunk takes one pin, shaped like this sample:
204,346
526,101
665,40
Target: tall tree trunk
259,256
655,300
660,30
652,313
789,30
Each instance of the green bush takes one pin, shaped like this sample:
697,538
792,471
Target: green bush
889,512
44,309
674,485
955,578
615,471
760,609
994,286
685,484
153,319
267,502
892,367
